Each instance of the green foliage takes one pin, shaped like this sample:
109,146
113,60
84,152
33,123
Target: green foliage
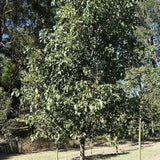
4,100
15,128
72,82
7,78
142,81
22,22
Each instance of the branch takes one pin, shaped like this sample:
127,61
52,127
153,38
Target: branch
4,18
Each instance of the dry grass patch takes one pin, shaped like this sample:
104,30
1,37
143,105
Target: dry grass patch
128,151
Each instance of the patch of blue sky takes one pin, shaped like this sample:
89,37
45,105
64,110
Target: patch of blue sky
4,36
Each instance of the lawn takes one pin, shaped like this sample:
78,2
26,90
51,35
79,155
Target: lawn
128,151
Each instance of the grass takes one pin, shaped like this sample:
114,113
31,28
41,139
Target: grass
128,151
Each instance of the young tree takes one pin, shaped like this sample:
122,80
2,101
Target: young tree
73,80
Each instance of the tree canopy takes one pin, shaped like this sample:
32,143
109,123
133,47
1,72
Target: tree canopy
73,81
80,66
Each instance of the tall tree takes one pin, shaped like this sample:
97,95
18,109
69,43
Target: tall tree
20,25
73,80
144,79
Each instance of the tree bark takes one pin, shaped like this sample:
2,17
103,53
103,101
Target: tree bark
3,6
116,147
56,152
91,145
140,126
82,149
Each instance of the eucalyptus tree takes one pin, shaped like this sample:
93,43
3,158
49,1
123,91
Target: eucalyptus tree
144,78
72,81
21,22
144,83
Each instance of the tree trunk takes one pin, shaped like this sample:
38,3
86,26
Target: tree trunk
82,149
91,145
116,147
140,126
56,152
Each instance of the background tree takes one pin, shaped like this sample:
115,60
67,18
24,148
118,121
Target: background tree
144,79
20,25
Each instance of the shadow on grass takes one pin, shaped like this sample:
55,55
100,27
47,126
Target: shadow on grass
102,156
101,144
154,139
4,156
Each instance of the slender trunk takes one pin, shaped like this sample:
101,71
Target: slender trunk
21,146
1,13
56,152
116,147
152,129
131,137
140,126
82,149
3,6
91,147
0,33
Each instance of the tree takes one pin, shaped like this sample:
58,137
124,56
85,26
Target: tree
21,22
144,78
146,89
73,80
